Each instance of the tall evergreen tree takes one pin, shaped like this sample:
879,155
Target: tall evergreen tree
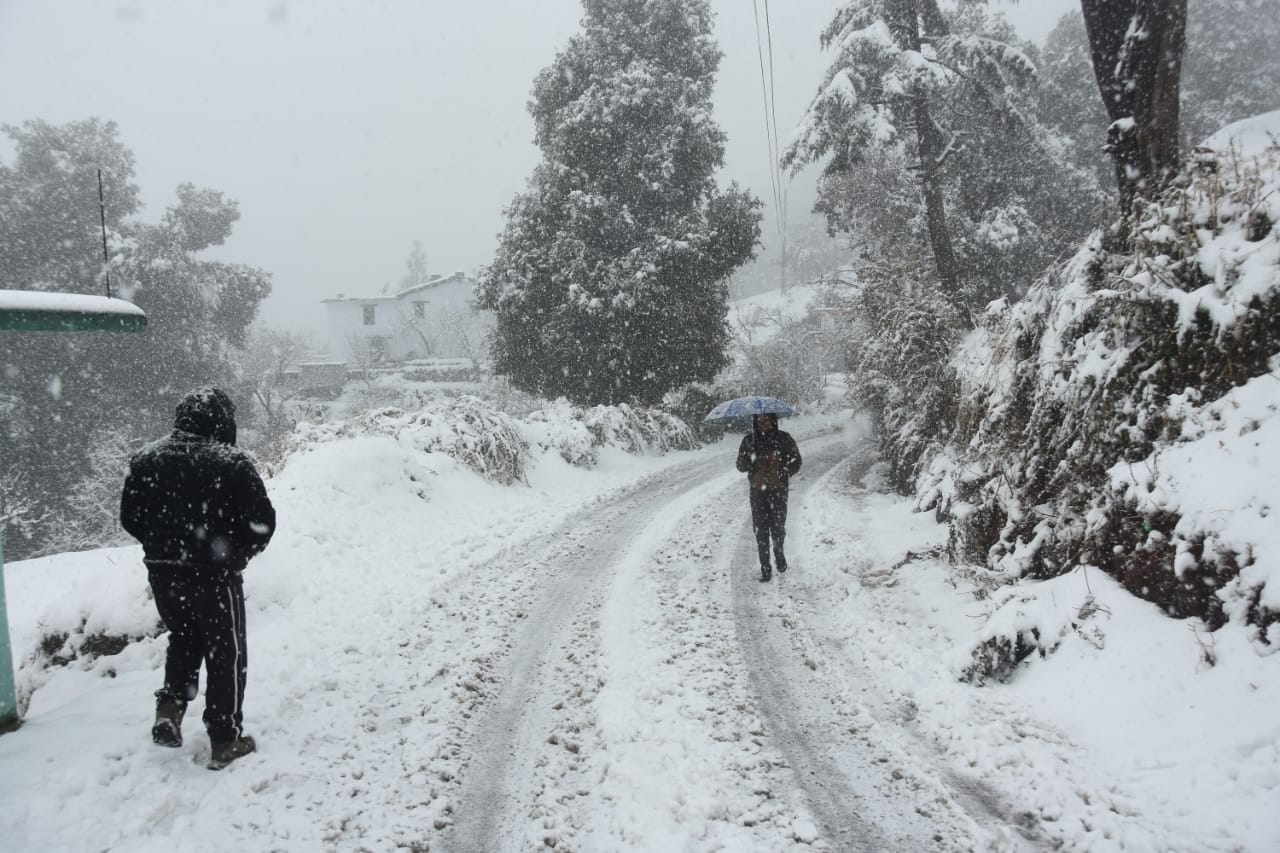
60,393
417,269
1004,187
610,278
901,73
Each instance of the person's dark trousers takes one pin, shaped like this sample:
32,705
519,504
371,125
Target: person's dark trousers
769,520
205,618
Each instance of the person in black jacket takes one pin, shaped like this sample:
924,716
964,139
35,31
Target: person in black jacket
200,510
769,457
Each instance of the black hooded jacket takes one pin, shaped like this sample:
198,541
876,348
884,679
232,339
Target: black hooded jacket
193,499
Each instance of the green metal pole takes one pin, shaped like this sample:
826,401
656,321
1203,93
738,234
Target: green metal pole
8,699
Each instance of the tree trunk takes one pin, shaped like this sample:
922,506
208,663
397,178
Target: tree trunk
1136,47
905,26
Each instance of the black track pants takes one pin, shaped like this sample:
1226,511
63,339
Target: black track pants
205,618
769,519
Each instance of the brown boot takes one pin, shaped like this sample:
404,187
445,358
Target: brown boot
228,751
167,730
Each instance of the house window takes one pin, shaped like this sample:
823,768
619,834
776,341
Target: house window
368,315
419,310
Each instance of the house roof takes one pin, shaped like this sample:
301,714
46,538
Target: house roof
435,282
408,291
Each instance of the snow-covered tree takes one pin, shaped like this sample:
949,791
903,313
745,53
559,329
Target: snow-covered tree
1231,66
72,387
609,281
91,515
1229,71
417,269
1136,48
269,408
902,84
1069,102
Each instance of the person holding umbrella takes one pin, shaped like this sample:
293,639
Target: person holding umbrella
769,457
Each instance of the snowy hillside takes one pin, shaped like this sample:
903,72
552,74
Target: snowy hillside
1122,415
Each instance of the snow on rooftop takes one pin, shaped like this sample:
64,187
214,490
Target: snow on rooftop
83,303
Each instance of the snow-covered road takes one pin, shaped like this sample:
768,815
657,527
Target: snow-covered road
653,694
587,660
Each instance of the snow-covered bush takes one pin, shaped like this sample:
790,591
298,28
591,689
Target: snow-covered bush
486,441
498,446
1100,416
578,433
560,426
691,403
483,439
637,429
1026,622
903,378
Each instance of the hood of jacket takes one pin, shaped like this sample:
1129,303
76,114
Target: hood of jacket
208,412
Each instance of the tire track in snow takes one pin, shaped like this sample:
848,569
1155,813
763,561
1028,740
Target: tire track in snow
676,757
865,794
577,561
390,772
893,716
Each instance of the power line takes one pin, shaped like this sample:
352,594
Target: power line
773,107
770,136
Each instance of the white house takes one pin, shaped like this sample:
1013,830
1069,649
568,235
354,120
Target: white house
430,320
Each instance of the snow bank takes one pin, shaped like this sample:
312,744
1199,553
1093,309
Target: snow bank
1119,415
70,609
1126,738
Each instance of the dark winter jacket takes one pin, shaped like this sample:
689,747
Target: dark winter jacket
769,458
193,500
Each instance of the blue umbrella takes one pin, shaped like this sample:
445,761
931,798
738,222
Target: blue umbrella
741,409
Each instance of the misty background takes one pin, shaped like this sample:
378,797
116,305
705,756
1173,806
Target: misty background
347,131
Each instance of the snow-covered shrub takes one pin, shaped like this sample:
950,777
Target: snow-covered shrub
560,426
483,439
1100,417
691,403
903,378
486,441
638,429
90,516
1026,622
578,433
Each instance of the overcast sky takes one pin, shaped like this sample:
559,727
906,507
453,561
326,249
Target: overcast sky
347,130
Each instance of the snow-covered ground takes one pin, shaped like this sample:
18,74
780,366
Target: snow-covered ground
588,661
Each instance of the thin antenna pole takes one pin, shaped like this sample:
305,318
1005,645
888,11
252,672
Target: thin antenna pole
102,211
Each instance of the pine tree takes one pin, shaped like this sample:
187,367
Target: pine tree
417,270
1004,187
610,279
900,74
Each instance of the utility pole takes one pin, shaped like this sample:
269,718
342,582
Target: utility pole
8,698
